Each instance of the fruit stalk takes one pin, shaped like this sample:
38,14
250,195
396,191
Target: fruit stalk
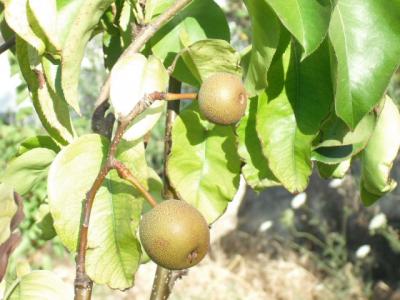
126,174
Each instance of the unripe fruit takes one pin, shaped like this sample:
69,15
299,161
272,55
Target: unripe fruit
223,98
175,235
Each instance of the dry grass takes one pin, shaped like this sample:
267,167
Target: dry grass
253,269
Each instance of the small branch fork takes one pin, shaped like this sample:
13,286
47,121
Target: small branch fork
83,284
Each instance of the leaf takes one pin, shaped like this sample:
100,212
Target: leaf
291,112
200,20
145,122
16,18
113,250
118,23
265,31
155,7
365,35
131,78
80,30
8,210
24,171
153,78
307,20
337,143
43,229
256,170
198,55
203,166
51,109
334,171
155,185
42,17
39,141
377,158
40,285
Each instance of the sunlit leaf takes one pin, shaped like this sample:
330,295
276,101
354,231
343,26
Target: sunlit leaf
203,166
40,285
365,36
256,170
8,210
377,158
291,112
266,31
307,20
113,250
16,17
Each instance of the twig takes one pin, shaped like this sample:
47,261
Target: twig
7,45
172,96
163,280
146,33
126,174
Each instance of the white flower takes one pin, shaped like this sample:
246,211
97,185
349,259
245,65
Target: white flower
377,222
265,226
298,200
335,183
363,251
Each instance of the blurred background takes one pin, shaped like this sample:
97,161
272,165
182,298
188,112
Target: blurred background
320,244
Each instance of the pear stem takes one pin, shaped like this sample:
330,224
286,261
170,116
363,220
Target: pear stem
126,174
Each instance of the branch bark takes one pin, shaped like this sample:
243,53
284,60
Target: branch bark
163,279
145,34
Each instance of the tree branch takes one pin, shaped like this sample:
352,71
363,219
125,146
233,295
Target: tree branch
7,45
145,34
83,284
163,279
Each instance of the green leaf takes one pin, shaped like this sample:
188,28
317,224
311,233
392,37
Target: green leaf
39,141
256,170
377,158
334,171
155,7
307,20
51,109
198,55
155,185
40,285
118,34
42,17
199,20
43,229
365,36
8,210
80,30
337,143
265,31
113,250
203,166
24,171
16,17
290,114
